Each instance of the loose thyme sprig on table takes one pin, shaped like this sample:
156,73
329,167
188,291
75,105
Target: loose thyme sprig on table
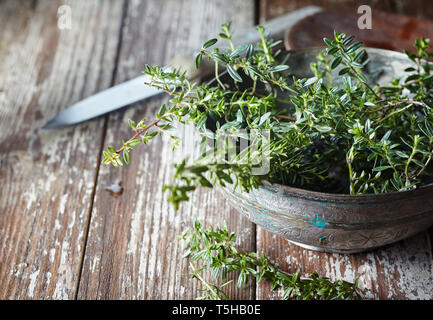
355,137
216,250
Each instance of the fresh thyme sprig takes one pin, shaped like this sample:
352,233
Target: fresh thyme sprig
216,250
337,131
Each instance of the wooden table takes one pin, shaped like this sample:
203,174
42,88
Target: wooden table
62,235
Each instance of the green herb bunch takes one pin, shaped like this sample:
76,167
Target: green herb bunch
216,250
337,131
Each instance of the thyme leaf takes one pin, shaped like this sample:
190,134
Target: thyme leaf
347,136
215,250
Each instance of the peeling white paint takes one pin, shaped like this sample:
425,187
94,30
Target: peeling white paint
33,281
52,254
48,276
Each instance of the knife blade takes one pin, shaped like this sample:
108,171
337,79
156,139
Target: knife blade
135,90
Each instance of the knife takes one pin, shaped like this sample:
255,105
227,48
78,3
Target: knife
135,90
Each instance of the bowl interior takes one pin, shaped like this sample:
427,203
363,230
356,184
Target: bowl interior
384,66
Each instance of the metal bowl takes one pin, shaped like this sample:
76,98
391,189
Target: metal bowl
336,222
339,222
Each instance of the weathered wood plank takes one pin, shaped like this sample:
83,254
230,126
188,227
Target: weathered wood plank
417,8
132,250
400,271
47,177
390,31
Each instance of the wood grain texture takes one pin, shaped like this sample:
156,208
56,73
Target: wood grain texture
47,177
417,8
49,199
400,271
390,31
132,249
